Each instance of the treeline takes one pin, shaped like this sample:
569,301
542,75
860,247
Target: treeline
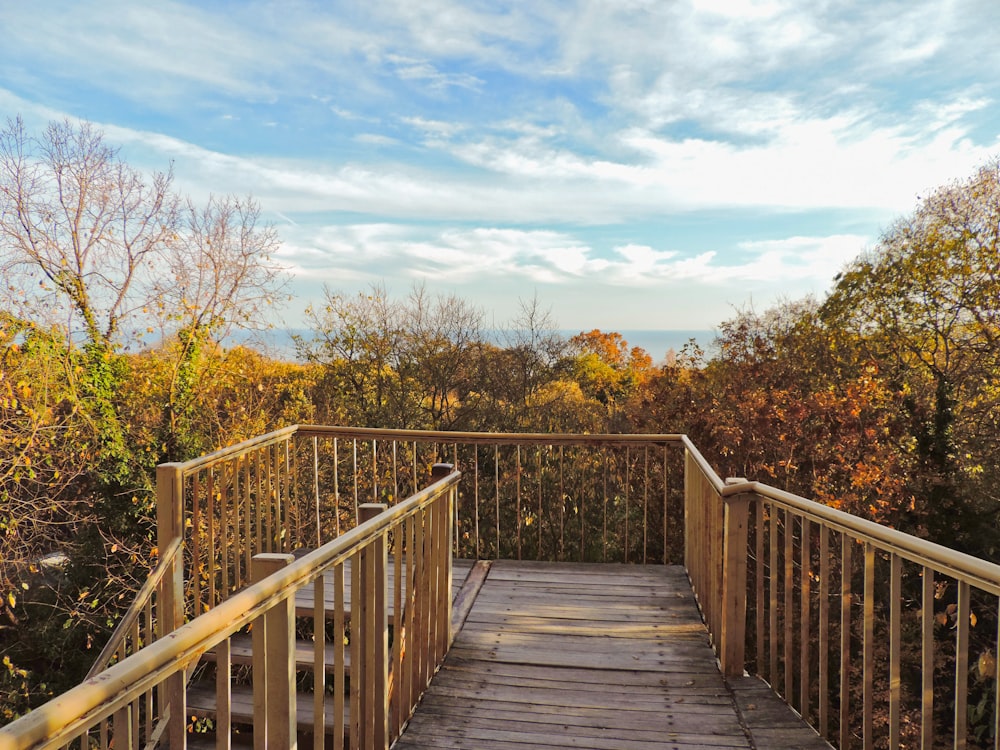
882,398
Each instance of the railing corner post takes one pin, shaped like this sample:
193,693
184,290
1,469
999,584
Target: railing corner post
368,511
273,664
440,471
170,599
169,527
734,582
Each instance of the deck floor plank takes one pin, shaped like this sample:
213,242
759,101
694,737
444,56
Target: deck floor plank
606,657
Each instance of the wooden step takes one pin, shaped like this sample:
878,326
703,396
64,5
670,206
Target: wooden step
241,652
201,702
305,598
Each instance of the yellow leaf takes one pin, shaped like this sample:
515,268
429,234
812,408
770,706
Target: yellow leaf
11,599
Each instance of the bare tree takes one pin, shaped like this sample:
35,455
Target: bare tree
81,231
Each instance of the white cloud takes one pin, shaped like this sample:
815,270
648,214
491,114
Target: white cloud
377,251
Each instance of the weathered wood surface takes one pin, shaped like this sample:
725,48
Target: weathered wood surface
609,657
305,598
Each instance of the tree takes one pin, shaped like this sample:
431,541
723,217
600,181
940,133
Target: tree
925,305
95,253
220,276
609,371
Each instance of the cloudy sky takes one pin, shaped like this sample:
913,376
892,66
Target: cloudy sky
632,163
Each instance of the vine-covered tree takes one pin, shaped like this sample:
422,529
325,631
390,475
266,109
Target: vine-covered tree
94,255
925,305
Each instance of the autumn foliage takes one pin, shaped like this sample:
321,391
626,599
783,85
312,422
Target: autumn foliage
882,399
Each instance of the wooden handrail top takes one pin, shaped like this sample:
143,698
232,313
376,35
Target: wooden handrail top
490,438
119,684
277,436
980,573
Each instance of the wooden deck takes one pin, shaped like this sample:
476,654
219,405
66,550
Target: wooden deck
610,657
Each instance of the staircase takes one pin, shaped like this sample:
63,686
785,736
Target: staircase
202,693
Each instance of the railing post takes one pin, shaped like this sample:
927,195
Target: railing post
368,511
170,599
274,725
443,564
373,634
440,471
370,645
734,583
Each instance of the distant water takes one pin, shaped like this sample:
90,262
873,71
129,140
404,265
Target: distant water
280,343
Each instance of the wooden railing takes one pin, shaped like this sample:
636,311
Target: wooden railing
111,709
876,638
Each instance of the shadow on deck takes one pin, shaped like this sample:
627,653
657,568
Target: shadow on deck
556,655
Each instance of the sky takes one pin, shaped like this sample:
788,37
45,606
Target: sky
629,164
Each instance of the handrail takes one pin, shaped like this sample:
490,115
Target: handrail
980,573
494,438
260,441
120,633
64,718
762,561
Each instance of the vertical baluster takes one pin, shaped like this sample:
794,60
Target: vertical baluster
475,500
412,568
223,695
868,647
561,552
237,500
604,532
496,487
824,632
518,508
927,661
212,546
247,514
375,497
291,516
582,483
645,504
396,707
895,597
319,661
196,542
357,610
336,481
845,640
772,611
456,516
538,552
395,474
996,682
354,475
628,486
340,673
962,667
759,610
224,528
316,500
666,507
788,612
805,571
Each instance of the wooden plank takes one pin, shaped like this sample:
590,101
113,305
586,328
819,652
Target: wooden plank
201,702
578,655
305,597
241,652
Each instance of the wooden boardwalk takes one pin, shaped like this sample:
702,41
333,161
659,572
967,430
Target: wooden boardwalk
610,657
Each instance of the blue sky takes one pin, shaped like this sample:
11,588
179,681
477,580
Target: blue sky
632,163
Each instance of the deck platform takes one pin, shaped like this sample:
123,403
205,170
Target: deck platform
609,657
